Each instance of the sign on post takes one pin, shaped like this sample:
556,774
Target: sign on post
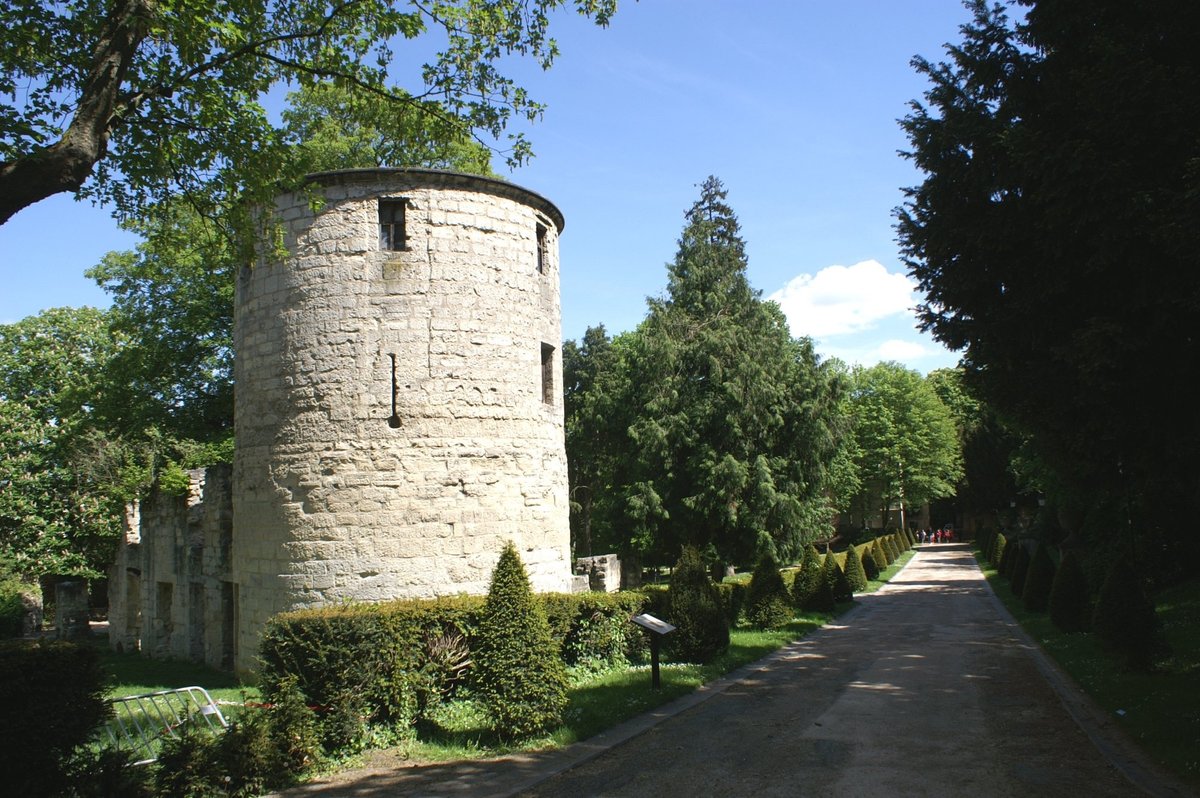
657,629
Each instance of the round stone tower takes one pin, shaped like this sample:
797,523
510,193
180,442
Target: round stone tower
398,407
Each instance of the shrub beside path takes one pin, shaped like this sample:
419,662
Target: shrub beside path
927,687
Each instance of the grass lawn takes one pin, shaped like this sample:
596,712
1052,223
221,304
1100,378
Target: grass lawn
133,674
1160,710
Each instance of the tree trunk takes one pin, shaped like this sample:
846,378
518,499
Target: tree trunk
66,164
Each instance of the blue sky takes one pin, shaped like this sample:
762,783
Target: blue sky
791,103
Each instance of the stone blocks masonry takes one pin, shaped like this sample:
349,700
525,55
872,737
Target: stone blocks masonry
398,404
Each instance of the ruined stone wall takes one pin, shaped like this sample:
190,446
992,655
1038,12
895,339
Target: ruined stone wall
169,589
398,413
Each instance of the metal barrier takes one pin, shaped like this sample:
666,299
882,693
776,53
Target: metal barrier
141,722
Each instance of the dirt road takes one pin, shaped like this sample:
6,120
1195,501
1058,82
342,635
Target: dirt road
925,689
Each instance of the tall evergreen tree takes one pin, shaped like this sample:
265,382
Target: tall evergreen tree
1055,237
735,424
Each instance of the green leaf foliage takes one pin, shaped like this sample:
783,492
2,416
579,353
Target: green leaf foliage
695,609
908,448
518,672
131,102
869,565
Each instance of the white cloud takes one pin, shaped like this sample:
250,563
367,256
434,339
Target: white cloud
844,299
902,351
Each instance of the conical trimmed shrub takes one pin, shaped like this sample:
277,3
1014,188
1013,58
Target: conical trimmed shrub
856,575
881,554
1070,607
1019,569
1125,620
870,567
518,673
824,598
842,590
768,605
694,607
1035,595
807,578
999,544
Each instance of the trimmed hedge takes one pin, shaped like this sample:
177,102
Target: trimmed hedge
53,699
394,660
856,575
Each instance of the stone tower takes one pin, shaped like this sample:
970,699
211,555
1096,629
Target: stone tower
398,407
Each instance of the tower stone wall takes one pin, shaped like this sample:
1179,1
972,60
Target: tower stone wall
398,407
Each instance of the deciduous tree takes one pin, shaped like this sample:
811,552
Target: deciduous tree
130,101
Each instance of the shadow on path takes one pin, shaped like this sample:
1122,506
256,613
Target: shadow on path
927,687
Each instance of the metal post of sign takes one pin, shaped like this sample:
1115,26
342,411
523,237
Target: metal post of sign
657,629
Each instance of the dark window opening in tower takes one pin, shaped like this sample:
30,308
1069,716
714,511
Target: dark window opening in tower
392,235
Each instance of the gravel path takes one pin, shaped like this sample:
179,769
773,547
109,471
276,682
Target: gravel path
926,688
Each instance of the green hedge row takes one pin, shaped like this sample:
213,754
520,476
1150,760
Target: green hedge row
390,662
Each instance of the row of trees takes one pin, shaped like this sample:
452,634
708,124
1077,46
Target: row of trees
1055,237
711,426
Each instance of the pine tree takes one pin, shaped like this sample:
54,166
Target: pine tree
518,672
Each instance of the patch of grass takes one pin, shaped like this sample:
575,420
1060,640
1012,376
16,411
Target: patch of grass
886,574
134,674
1159,710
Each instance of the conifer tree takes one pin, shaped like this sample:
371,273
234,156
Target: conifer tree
825,596
694,607
518,672
1035,594
870,566
1069,605
805,583
855,573
736,424
768,605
